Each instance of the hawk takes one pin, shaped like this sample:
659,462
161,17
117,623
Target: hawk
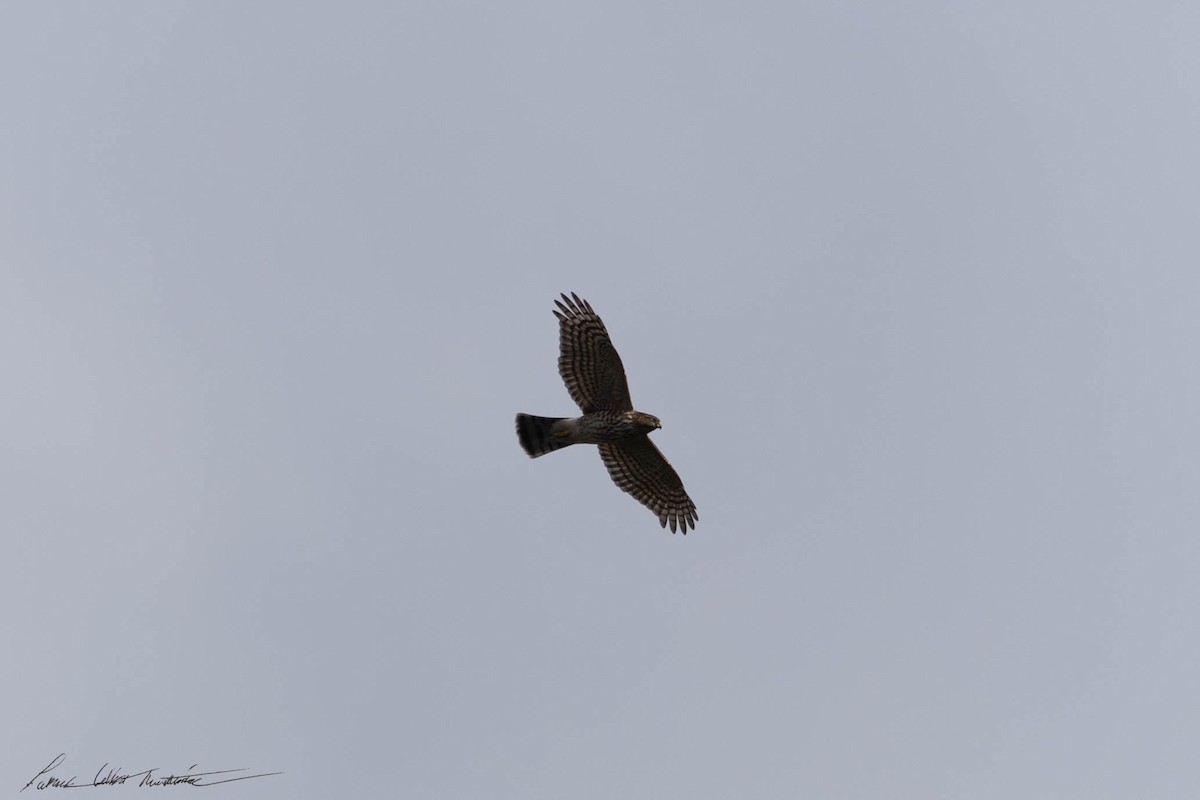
595,378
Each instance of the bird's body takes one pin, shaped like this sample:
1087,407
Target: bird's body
595,378
541,435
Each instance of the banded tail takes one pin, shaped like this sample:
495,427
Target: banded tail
537,434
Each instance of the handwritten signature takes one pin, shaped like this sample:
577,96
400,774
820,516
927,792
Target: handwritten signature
147,777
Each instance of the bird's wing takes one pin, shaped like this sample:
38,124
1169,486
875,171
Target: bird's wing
587,360
638,467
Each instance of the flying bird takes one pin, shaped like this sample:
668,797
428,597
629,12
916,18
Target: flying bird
592,370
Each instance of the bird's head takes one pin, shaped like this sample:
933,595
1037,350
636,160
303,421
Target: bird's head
647,421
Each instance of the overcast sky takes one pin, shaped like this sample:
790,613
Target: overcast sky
915,289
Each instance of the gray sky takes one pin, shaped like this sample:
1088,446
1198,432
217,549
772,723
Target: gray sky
914,289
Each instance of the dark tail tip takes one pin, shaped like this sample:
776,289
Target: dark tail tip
536,434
